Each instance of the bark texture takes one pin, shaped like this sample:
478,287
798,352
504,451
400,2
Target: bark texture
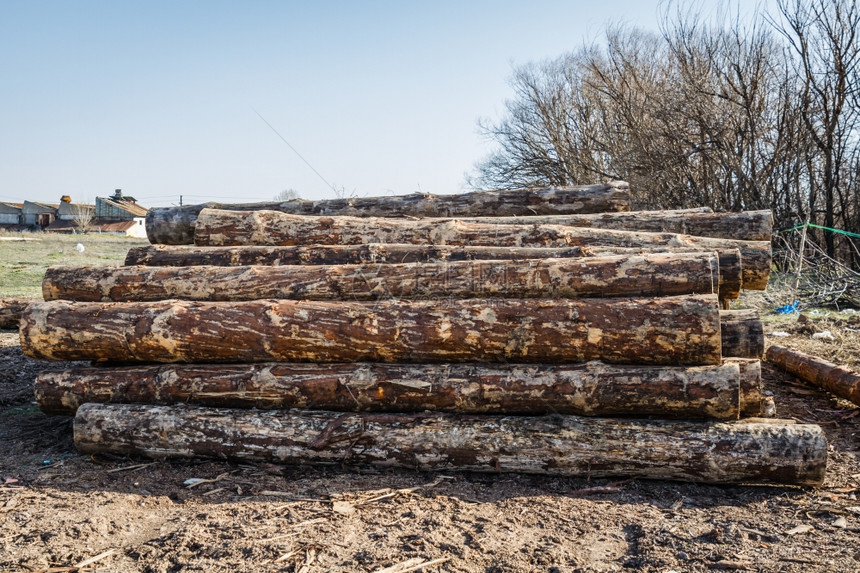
718,452
753,402
668,330
272,228
731,271
11,310
184,256
839,381
742,333
175,225
591,389
747,225
613,276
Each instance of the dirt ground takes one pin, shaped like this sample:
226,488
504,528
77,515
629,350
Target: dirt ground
60,511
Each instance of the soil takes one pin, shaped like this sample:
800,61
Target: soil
60,511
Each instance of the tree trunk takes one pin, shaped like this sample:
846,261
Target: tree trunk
747,225
731,271
668,330
272,228
753,402
592,389
11,310
613,276
716,452
742,333
839,381
175,225
184,256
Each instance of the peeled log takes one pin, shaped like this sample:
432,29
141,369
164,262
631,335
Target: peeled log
190,255
592,389
613,276
272,228
668,330
731,272
746,225
11,310
839,381
717,452
742,333
175,225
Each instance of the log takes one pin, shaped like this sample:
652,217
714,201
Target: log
814,370
591,389
746,225
11,310
742,333
272,228
175,225
668,330
715,452
731,271
612,276
190,255
753,402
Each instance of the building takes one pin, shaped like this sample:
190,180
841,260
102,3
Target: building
69,211
118,207
35,214
10,213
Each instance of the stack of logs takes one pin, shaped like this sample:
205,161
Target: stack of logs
545,331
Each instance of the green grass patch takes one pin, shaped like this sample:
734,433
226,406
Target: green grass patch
23,262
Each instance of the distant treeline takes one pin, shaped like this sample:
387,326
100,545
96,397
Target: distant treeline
717,110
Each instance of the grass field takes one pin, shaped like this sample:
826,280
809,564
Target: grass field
24,257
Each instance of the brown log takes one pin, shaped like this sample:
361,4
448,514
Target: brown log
668,330
814,370
11,310
747,225
714,452
175,225
752,399
742,333
731,273
231,228
613,276
591,389
190,255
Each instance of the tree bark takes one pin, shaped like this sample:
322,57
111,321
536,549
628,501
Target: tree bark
613,276
839,381
667,330
731,271
742,333
716,452
591,389
190,255
11,310
272,228
747,225
753,402
175,225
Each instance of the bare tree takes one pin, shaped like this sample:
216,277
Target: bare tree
287,195
83,216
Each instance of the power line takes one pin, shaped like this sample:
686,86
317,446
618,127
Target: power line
329,185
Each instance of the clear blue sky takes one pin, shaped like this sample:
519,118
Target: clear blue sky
158,98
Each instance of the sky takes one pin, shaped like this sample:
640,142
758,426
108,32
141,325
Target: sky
176,98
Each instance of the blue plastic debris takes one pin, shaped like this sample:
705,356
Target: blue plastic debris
788,309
